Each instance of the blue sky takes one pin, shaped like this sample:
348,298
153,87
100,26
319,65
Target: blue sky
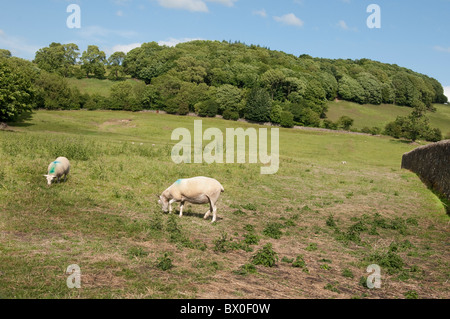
414,34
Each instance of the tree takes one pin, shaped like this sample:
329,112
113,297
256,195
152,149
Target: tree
345,122
121,94
190,69
58,58
229,98
53,93
350,90
372,88
286,119
414,126
115,63
258,105
5,53
273,81
94,62
16,88
275,114
208,108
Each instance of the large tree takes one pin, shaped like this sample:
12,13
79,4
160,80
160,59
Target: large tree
16,88
115,64
258,105
58,58
94,62
5,53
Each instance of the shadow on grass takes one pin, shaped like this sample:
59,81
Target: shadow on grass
402,141
23,120
190,213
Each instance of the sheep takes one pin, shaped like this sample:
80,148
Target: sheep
58,168
197,190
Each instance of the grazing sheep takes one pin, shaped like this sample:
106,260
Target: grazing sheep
197,190
58,168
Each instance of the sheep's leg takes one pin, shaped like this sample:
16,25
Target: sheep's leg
214,214
65,178
181,209
207,214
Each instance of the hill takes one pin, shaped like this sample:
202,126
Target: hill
230,79
369,115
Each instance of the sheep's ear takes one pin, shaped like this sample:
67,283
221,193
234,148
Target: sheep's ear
159,197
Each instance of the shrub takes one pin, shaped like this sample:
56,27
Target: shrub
250,206
411,294
230,115
311,247
251,239
345,122
272,230
331,222
208,108
164,262
287,260
221,244
328,124
347,273
300,263
287,119
136,252
265,256
245,270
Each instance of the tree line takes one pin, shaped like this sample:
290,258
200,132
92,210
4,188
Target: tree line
234,80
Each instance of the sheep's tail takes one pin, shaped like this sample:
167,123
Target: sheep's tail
222,189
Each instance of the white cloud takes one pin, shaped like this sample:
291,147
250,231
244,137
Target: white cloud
171,42
97,33
124,47
17,45
442,49
343,25
193,5
228,3
447,92
119,13
290,19
190,5
261,13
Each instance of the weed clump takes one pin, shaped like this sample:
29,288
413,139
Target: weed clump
266,256
300,263
273,230
245,270
136,252
164,262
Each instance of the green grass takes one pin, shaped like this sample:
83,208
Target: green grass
380,115
105,218
95,86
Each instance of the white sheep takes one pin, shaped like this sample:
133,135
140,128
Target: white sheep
58,168
197,190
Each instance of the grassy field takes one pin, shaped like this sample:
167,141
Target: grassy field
326,221
94,86
380,115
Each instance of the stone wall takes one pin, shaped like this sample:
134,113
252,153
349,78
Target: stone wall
432,164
